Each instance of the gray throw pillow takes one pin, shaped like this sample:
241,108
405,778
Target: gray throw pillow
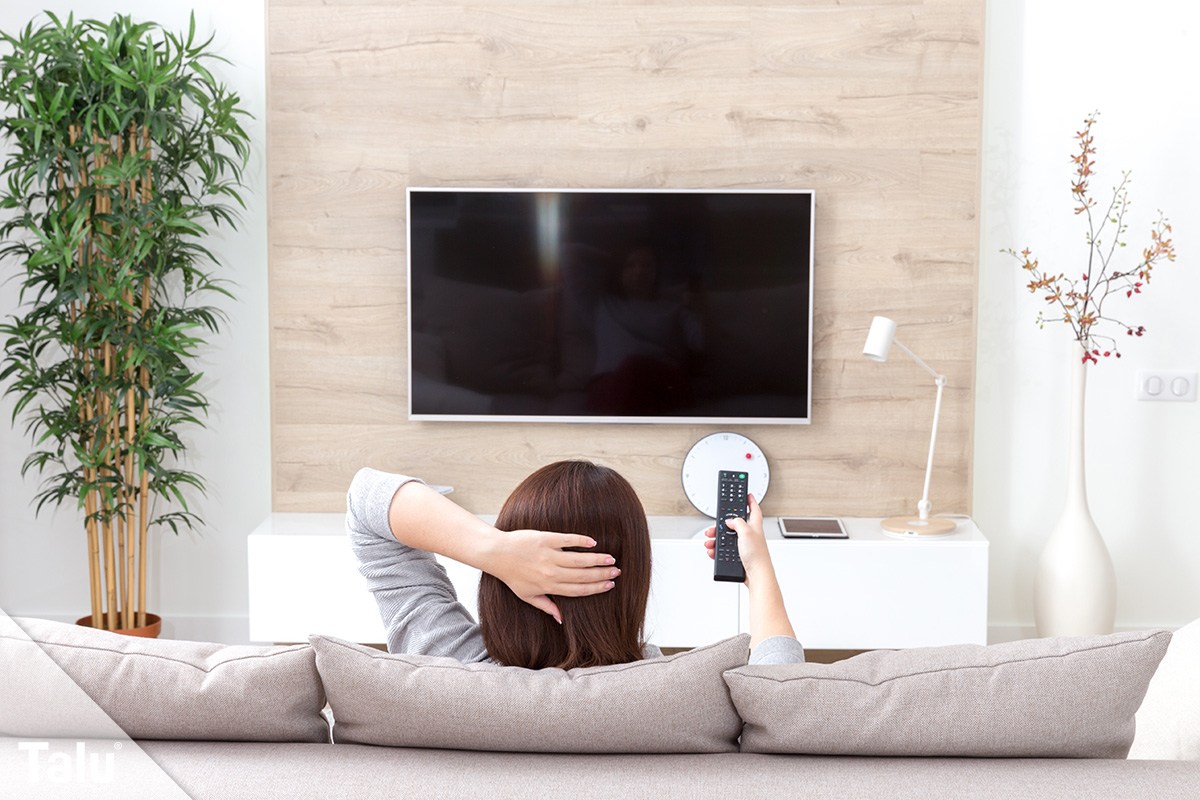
1064,697
672,704
159,688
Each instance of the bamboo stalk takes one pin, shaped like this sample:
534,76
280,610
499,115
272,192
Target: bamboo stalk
85,412
147,184
119,528
125,554
92,501
144,379
89,522
111,422
112,435
112,456
110,556
95,599
110,585
101,405
121,454
133,153
94,562
127,190
129,514
122,589
144,489
110,562
109,541
142,502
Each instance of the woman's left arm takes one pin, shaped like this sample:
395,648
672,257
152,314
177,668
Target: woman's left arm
395,522
772,639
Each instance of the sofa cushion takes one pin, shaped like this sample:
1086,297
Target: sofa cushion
164,689
1168,723
223,770
1065,697
672,704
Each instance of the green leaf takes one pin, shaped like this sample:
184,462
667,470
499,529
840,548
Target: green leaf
104,76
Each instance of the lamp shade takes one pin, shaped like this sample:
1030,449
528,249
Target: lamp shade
880,338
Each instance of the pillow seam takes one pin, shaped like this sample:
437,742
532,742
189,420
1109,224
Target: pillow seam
1030,659
459,665
295,649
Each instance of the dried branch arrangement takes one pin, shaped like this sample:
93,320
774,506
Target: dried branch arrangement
1081,302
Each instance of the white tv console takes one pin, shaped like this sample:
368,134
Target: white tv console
869,591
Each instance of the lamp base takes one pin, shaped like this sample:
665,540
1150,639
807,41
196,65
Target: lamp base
911,527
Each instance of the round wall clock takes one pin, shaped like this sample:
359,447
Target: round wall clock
714,453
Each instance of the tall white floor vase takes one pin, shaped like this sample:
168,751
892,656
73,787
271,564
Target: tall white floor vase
1076,590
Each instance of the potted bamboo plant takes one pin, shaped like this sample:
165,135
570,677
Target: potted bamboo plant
123,151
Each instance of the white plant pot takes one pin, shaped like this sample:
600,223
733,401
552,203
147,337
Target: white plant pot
1076,589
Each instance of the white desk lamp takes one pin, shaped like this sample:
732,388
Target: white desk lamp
879,341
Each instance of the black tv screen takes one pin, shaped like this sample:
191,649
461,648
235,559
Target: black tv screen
610,305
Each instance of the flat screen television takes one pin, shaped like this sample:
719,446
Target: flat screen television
608,305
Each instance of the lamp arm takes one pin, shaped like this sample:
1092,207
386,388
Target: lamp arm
917,359
925,507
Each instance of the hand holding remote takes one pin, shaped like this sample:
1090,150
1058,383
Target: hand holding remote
768,615
732,502
751,541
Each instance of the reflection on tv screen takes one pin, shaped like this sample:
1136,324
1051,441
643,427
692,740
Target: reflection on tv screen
610,306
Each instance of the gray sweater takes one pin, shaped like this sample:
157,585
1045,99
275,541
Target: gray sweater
418,604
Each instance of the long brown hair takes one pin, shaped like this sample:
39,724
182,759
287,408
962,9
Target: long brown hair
573,497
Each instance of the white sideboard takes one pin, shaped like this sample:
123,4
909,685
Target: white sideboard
868,591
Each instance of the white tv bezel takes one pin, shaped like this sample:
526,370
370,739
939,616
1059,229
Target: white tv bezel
589,419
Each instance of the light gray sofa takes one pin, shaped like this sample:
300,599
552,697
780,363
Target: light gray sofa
229,722
260,770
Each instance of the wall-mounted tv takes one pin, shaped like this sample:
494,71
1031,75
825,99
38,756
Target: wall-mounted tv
610,305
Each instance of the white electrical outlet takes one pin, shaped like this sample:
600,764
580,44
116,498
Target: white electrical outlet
1166,384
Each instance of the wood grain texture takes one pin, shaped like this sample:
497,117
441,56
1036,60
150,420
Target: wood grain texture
874,104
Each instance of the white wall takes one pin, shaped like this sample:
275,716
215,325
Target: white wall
198,580
1048,64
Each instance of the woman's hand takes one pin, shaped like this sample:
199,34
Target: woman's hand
534,565
752,542
768,616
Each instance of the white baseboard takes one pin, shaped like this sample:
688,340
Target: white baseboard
226,630
223,630
1012,633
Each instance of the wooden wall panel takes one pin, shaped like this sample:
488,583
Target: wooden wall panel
874,104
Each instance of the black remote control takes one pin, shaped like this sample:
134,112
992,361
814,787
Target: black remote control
731,502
